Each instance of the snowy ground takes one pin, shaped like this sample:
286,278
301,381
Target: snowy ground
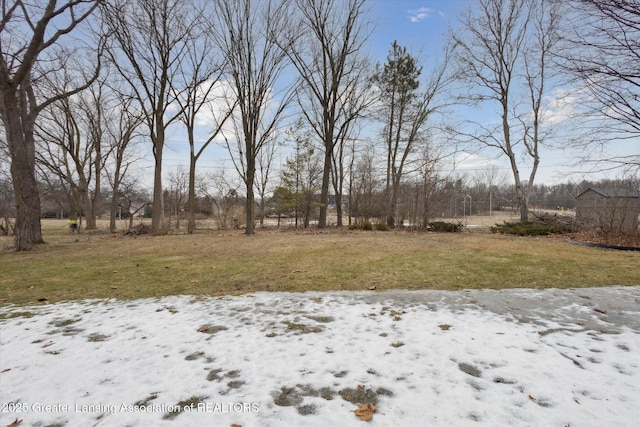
494,358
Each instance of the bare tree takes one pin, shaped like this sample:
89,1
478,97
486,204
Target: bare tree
428,183
503,38
246,35
358,99
404,112
603,51
328,53
131,199
7,203
485,183
150,40
72,148
122,122
264,171
31,38
201,73
364,184
177,194
223,194
301,174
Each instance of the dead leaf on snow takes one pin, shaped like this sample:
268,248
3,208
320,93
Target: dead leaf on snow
236,425
5,370
599,310
15,423
203,328
49,344
365,412
532,398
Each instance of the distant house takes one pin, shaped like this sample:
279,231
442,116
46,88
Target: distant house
613,211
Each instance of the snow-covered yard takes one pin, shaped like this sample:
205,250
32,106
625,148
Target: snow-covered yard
431,358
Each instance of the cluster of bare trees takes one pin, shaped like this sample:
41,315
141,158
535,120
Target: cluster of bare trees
32,53
85,82
602,52
504,58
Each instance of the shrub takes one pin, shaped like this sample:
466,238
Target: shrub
530,228
366,225
381,226
446,227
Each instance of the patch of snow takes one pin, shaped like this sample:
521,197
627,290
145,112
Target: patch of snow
513,357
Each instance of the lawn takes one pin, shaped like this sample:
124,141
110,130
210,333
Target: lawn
73,267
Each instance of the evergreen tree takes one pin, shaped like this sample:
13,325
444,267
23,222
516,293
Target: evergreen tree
401,112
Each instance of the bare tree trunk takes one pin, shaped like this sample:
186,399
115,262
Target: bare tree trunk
85,203
95,199
324,192
393,202
191,223
115,206
250,205
157,207
27,230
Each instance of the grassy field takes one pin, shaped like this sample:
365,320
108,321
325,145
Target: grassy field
71,267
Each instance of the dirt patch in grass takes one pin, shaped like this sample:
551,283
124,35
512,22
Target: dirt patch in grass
211,329
95,337
179,407
470,370
147,401
321,319
105,266
295,396
14,314
363,394
300,328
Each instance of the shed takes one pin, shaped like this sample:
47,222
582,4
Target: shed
612,210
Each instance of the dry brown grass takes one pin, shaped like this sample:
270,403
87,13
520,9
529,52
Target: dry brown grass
105,266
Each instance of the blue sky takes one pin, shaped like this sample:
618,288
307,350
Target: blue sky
419,25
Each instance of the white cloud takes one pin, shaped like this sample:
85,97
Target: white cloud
219,100
563,105
417,15
467,162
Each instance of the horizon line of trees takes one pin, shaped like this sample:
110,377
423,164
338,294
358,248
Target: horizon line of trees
85,84
221,200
